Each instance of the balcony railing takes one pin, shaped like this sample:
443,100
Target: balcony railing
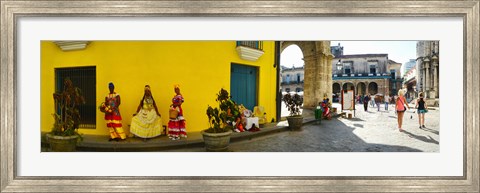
291,82
251,44
250,50
358,75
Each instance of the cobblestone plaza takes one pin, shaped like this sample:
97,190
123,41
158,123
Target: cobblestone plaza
372,131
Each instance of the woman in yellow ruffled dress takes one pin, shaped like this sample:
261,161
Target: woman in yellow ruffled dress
147,122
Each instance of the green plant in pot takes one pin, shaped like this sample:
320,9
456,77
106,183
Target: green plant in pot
293,103
64,135
220,119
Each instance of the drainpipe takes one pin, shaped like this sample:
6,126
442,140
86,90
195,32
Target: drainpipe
279,94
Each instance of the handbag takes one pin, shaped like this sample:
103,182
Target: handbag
173,113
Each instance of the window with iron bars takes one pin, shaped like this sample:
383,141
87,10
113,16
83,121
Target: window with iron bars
85,79
251,44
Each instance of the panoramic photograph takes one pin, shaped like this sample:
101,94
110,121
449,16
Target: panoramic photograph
239,96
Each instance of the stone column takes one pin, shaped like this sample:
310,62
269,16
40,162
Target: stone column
435,78
309,81
427,77
320,77
329,72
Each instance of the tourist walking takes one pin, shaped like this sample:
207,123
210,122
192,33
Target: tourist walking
112,114
372,102
365,102
377,100
421,107
401,106
387,100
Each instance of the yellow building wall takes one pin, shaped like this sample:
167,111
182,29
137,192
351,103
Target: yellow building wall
201,68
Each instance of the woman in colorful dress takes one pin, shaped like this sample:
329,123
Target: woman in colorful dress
176,125
147,122
112,115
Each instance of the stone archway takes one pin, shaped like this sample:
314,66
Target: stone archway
348,86
361,88
317,70
373,88
336,88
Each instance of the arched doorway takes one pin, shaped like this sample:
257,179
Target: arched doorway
336,92
317,58
291,72
373,88
348,86
361,88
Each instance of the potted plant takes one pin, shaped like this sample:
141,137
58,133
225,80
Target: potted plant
295,120
64,135
221,120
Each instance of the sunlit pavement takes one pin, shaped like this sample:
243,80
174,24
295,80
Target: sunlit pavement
372,131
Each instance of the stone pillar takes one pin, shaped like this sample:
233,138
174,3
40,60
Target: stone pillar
427,78
321,79
435,77
329,73
309,81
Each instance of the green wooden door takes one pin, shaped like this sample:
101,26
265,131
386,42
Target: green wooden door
243,85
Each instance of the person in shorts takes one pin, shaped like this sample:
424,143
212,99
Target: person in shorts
421,107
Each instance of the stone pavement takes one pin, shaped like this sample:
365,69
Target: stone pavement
370,131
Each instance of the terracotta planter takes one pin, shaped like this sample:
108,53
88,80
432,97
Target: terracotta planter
216,141
295,123
62,143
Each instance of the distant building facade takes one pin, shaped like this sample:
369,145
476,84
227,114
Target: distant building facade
366,74
408,65
292,79
336,50
410,83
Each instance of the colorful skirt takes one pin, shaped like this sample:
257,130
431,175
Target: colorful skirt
176,127
146,124
114,124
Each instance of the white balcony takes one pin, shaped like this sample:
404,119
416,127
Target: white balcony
250,54
71,45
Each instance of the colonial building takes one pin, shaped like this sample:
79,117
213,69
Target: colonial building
292,79
410,83
366,74
428,69
336,50
201,68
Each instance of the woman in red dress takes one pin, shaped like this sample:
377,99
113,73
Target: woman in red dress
112,114
176,125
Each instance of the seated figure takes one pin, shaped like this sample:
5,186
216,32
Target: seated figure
326,109
147,122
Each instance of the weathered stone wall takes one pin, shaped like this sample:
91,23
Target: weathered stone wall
317,75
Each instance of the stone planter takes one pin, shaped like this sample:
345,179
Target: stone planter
62,143
295,123
216,141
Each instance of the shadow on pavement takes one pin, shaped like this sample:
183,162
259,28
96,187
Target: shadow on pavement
431,131
422,138
329,136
